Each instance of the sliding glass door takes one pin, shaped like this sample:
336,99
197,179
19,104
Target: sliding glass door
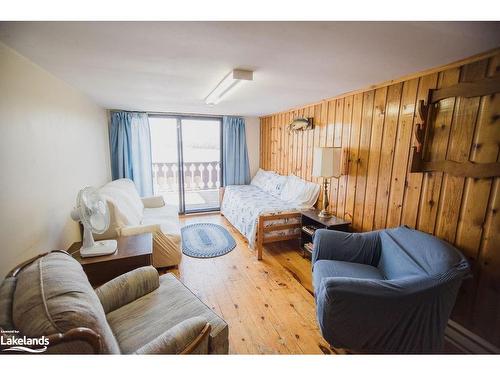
201,155
165,158
186,155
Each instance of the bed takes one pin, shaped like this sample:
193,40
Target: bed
268,210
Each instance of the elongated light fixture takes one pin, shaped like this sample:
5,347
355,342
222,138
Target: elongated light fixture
228,83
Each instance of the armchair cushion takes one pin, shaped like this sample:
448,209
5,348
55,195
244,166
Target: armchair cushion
326,269
153,202
134,230
127,288
178,338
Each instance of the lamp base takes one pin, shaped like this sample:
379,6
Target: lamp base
324,213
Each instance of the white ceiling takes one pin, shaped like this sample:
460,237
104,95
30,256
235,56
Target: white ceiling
172,66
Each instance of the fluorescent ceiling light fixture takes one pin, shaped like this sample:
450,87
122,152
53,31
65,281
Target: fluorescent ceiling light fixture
228,83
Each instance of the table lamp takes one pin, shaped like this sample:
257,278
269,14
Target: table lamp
326,164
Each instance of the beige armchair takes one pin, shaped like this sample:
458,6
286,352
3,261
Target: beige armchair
136,313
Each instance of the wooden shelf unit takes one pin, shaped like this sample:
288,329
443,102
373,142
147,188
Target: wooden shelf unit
311,218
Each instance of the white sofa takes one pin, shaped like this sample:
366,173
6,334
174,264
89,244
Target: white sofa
131,215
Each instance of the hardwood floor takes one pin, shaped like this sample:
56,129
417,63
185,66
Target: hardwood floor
268,304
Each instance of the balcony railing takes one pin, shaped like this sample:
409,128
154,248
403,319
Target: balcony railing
197,176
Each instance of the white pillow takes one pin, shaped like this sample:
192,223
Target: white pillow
123,196
299,192
275,184
269,181
260,179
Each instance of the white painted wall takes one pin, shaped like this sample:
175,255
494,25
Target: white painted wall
252,132
53,142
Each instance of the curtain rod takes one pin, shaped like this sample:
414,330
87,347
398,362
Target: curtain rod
171,113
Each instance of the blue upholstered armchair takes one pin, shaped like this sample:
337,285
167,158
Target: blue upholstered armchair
388,291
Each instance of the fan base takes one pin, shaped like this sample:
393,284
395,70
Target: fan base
100,248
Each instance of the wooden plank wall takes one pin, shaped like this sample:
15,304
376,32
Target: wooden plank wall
376,126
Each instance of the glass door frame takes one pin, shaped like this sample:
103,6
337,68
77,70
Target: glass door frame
180,156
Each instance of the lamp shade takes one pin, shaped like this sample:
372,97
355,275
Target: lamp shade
326,161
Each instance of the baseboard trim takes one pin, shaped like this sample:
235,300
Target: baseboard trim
466,341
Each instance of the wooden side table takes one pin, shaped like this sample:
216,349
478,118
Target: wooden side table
132,252
311,222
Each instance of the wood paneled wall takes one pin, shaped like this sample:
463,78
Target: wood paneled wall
376,127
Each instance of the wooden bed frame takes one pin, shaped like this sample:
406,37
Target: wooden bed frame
262,229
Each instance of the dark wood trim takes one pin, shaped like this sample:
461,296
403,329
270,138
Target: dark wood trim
77,334
466,341
327,222
194,344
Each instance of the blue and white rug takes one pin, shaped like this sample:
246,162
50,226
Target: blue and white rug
206,240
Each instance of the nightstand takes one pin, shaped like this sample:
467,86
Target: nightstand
132,252
311,222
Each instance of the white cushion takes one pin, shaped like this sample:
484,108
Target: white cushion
301,193
123,197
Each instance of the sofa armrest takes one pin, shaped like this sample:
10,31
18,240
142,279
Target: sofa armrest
189,336
348,247
128,287
155,201
139,229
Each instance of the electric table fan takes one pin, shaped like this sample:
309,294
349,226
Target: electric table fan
91,209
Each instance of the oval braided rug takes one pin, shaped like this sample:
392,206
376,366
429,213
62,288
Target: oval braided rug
206,240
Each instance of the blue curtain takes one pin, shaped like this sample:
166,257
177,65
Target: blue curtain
130,145
235,167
